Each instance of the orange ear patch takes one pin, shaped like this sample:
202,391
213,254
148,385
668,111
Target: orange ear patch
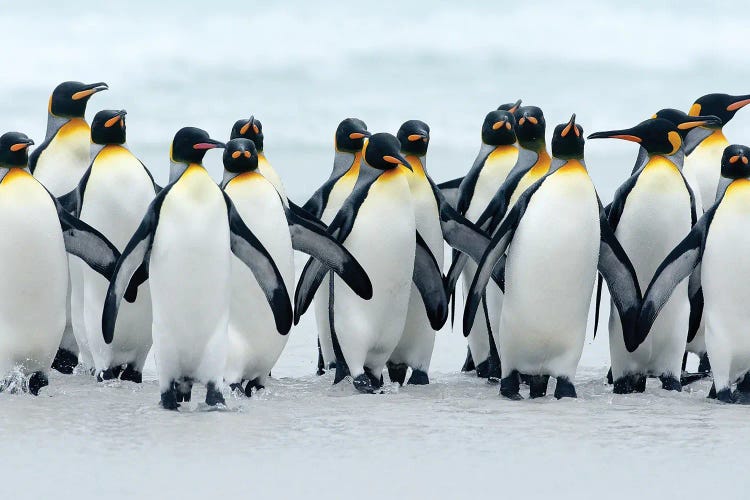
522,120
248,154
533,120
497,125
566,130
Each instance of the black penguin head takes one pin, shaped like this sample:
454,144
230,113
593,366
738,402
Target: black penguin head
190,145
511,107
14,149
69,99
108,127
684,122
350,135
249,129
383,151
240,156
414,137
567,141
734,162
530,127
498,128
723,106
656,135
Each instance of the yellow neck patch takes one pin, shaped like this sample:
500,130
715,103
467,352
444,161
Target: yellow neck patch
74,127
572,167
14,174
245,177
416,164
737,188
717,138
541,167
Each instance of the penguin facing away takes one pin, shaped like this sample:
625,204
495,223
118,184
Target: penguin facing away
183,246
38,233
717,247
655,204
58,163
113,195
543,321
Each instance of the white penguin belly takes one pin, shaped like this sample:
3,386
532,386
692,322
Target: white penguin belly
725,276
189,274
704,165
65,159
383,241
254,343
656,217
34,268
116,198
550,272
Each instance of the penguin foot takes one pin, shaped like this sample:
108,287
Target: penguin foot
363,384
236,386
109,374
538,386
183,390
525,379
397,372
741,397
332,366
493,375
623,385
65,361
131,374
321,363
342,371
565,388
169,399
704,366
320,371
253,384
510,385
483,369
688,378
610,380
670,383
469,363
37,381
376,382
639,383
725,395
418,377
214,395
744,384
712,392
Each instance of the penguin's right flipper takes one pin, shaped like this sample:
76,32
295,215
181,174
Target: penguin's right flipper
695,295
429,281
73,201
614,210
253,254
450,190
69,201
317,203
678,265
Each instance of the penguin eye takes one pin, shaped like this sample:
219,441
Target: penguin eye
236,154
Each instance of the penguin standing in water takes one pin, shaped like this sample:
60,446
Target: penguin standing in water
719,244
37,233
254,346
183,246
58,163
365,333
655,205
543,320
113,195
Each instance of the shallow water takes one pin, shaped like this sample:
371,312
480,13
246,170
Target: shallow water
301,67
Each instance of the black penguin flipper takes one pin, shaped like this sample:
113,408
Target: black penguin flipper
34,156
318,202
309,281
450,190
132,266
157,188
598,300
301,213
311,239
454,272
678,265
614,210
429,281
70,201
695,294
246,246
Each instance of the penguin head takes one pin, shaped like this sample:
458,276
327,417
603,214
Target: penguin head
108,127
530,127
684,122
510,107
249,129
383,151
723,106
350,135
498,128
656,135
240,156
567,141
14,149
414,137
735,162
69,99
190,145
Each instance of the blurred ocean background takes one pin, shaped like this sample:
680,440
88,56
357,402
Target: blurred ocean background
301,67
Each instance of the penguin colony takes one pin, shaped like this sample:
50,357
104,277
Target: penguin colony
206,271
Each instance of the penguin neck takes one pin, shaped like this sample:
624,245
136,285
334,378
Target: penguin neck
176,169
54,123
228,176
557,163
724,183
538,146
4,169
696,136
343,161
418,163
97,148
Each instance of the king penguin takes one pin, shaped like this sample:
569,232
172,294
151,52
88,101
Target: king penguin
543,320
716,247
183,246
58,163
365,333
655,205
113,195
38,232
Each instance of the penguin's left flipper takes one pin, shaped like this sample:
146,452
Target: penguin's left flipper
450,190
429,281
695,295
87,243
307,216
69,201
311,239
251,252
678,265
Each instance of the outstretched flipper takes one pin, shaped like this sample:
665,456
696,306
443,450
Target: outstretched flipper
429,281
450,191
251,252
307,216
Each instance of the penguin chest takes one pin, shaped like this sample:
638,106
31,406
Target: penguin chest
65,159
552,260
34,273
494,172
704,165
537,171
339,193
426,214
